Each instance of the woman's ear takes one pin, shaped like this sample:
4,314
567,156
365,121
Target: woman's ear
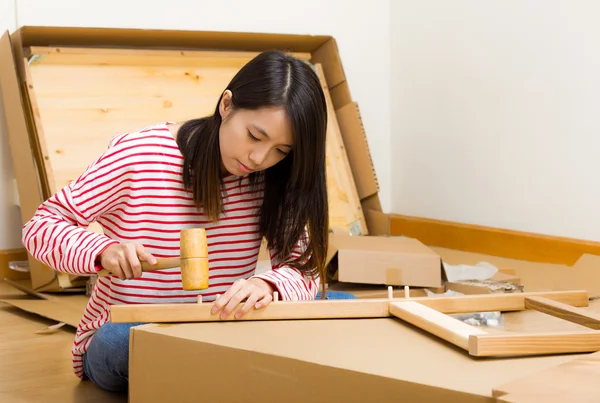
225,105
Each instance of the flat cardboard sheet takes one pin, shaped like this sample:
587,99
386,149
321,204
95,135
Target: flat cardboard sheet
575,381
318,361
63,308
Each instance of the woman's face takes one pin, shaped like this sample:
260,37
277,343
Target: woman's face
252,140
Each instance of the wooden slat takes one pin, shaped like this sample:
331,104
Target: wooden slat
493,241
527,344
435,322
333,309
499,302
150,57
344,204
318,309
564,311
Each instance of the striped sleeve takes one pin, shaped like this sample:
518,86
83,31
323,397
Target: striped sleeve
56,233
291,284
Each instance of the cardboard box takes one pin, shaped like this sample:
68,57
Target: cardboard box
29,156
385,260
358,360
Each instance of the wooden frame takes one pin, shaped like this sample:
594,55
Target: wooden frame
427,313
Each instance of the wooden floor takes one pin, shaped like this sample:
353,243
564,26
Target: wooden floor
37,367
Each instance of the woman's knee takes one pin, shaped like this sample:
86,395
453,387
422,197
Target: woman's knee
113,336
109,349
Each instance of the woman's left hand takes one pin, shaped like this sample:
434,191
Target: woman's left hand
257,293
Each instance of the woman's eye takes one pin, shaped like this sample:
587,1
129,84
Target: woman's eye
251,136
282,152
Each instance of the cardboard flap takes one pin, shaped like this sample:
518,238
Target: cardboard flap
159,38
402,245
60,312
385,260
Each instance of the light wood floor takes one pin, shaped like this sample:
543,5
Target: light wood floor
37,367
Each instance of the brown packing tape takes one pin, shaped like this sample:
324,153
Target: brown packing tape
394,276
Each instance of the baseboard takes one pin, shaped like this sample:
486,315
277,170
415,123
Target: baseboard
493,241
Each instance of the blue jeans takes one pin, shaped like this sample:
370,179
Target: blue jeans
106,362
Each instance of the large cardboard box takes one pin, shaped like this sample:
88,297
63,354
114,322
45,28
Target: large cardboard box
25,127
358,360
388,261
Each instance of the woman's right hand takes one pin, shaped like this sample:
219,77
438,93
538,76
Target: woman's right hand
124,260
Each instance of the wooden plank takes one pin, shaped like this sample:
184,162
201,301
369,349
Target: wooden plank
493,241
44,165
110,99
162,57
564,311
573,381
499,302
332,309
539,343
435,322
344,204
318,309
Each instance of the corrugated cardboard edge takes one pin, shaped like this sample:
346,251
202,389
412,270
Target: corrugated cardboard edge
23,155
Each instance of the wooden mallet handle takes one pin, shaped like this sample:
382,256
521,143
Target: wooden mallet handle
193,260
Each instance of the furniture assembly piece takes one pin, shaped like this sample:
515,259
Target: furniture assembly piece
427,313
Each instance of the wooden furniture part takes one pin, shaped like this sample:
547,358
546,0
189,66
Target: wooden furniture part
344,204
334,309
81,97
427,313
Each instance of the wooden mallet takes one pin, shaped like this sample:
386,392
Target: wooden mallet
193,260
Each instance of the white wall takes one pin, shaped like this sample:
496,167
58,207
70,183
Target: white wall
362,30
495,113
10,217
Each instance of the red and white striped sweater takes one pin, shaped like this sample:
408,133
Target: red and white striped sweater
134,190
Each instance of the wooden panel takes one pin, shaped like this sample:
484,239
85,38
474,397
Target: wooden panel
493,241
83,97
332,309
435,322
528,344
564,311
344,203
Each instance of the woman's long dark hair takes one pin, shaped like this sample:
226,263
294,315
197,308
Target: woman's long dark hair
295,189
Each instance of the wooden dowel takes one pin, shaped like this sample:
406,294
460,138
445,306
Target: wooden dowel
524,344
564,311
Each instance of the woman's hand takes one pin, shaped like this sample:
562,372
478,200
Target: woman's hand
257,293
123,260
